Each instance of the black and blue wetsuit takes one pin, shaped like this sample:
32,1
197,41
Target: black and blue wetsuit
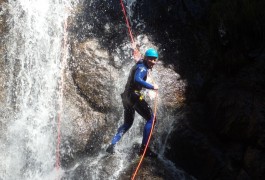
133,101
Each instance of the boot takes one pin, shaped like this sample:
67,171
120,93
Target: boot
148,153
110,149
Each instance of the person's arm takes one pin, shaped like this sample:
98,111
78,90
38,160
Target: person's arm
139,75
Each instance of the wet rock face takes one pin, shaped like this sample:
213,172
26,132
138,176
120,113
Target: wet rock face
99,19
99,52
222,129
220,133
3,31
226,134
158,10
93,74
237,105
80,122
254,162
237,117
88,101
3,11
172,87
3,76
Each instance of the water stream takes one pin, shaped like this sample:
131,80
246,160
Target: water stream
34,57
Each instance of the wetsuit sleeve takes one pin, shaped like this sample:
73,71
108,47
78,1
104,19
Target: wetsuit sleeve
139,75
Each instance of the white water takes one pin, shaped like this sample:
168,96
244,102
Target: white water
35,52
129,7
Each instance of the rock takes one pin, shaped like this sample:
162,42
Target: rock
254,162
171,87
243,175
93,74
3,30
194,152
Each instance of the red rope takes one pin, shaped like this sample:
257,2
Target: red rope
61,98
128,25
136,53
58,142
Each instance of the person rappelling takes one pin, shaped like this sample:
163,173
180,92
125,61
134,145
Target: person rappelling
133,100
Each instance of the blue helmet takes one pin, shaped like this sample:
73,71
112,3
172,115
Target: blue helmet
151,53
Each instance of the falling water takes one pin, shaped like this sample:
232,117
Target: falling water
129,7
35,51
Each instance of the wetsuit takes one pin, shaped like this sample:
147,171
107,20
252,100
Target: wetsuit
133,101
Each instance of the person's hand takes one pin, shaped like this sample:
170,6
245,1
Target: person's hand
155,87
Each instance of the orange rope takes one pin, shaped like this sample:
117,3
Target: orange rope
136,53
128,25
64,58
153,124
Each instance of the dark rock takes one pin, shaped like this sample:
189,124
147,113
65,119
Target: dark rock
254,163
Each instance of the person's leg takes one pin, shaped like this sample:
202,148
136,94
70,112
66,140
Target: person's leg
128,121
146,112
147,130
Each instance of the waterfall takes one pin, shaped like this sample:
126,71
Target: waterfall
34,63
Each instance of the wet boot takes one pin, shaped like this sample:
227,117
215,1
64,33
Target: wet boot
110,149
148,153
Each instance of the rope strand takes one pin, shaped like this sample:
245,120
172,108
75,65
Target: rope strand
136,53
128,25
64,58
